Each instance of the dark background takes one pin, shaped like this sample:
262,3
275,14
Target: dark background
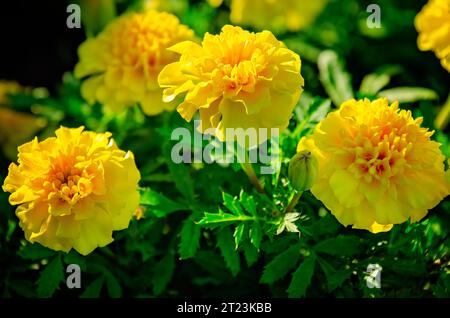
36,45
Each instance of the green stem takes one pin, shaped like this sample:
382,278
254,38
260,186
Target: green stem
293,202
443,117
248,169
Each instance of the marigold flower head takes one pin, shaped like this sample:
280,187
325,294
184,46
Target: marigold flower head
377,166
73,190
276,15
236,79
124,60
433,25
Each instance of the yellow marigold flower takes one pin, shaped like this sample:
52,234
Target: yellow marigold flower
124,60
237,79
15,127
276,15
377,166
433,25
73,190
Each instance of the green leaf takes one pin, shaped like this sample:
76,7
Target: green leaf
334,278
248,202
339,246
232,204
256,235
94,289
281,265
230,255
238,234
163,272
35,251
319,109
113,286
338,278
211,218
408,94
302,277
326,225
161,206
50,278
190,239
74,258
405,267
373,83
334,78
250,253
180,175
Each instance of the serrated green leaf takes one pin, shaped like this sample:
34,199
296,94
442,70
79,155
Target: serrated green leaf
408,94
94,289
190,239
373,83
318,109
163,272
248,202
339,246
251,254
302,277
180,175
50,278
334,278
35,251
238,234
161,206
211,218
338,278
230,255
281,265
334,78
256,234
232,204
113,286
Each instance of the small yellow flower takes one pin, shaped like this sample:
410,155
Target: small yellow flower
276,15
433,25
237,79
124,60
73,190
15,127
377,166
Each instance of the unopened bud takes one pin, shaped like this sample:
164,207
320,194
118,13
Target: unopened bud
302,171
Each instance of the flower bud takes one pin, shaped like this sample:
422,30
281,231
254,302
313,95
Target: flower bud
302,171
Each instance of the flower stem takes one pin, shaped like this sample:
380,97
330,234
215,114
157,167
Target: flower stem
293,202
248,168
443,117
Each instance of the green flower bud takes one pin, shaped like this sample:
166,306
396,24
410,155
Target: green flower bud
302,171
